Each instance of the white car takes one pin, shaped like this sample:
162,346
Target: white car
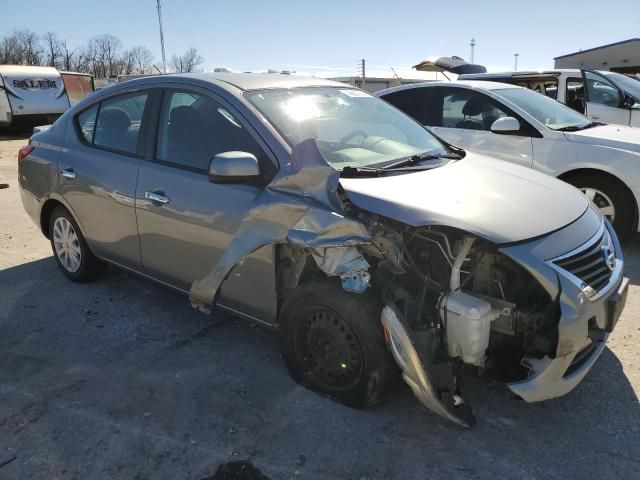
521,126
610,97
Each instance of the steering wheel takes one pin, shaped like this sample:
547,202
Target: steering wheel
354,134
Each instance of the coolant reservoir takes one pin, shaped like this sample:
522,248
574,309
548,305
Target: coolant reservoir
468,322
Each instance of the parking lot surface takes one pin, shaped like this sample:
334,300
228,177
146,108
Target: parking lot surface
122,379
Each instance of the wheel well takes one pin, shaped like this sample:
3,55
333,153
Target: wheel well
45,215
568,176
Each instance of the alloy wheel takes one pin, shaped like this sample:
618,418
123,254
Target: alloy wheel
66,244
602,201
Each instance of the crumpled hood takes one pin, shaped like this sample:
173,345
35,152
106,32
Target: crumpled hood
613,136
499,201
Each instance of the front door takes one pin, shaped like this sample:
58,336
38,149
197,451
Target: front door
604,100
464,119
98,176
185,221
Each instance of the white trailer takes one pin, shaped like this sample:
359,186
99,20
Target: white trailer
38,95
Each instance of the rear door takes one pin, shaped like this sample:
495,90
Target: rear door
185,221
98,173
463,117
604,100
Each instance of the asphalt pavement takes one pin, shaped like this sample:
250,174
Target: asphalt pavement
122,379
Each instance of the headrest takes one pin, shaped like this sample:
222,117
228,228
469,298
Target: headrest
114,119
474,106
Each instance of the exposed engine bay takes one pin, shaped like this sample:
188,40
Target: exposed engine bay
453,301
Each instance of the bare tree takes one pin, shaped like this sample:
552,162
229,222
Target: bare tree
53,50
104,52
10,50
187,62
127,63
142,59
30,46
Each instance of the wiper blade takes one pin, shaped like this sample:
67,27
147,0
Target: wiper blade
374,172
575,128
420,157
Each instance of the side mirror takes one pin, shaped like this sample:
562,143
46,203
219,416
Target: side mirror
233,167
506,126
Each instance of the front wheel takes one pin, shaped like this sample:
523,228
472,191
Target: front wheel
333,342
611,197
70,249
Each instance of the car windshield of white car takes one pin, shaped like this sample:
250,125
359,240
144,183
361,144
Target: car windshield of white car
551,113
351,127
631,85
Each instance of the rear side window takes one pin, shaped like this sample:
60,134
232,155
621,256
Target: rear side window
87,123
119,121
411,101
193,128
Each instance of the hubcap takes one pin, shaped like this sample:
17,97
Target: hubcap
602,201
328,348
66,244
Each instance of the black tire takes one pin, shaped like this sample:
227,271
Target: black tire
90,267
332,342
622,200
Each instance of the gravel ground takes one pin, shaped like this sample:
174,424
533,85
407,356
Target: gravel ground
122,379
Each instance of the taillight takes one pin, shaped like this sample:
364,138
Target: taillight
24,151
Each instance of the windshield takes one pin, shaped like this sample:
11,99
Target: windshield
351,128
628,84
551,113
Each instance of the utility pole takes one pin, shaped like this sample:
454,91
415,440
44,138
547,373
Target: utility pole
364,76
515,64
473,47
164,60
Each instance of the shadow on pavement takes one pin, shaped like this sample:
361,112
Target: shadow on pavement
121,378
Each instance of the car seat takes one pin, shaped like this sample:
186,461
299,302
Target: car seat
473,107
113,126
185,138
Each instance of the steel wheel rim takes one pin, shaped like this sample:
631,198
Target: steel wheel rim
602,201
66,245
329,349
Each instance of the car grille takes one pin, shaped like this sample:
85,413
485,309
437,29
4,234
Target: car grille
593,265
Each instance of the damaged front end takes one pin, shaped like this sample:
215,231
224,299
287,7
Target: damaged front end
453,301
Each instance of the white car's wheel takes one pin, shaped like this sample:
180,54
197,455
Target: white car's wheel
610,196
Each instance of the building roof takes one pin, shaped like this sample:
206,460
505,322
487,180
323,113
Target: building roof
631,40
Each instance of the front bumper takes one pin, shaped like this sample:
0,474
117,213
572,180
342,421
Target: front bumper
583,328
555,377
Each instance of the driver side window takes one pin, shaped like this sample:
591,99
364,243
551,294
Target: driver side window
193,128
601,91
469,110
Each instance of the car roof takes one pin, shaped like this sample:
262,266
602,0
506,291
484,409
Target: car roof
245,81
476,84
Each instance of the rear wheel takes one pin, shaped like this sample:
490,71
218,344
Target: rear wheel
70,248
332,342
610,196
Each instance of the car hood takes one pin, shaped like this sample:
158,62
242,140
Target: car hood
499,201
613,136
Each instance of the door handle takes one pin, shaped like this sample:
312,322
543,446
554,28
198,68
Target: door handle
156,197
595,117
68,173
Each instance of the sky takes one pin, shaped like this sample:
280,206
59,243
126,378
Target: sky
328,38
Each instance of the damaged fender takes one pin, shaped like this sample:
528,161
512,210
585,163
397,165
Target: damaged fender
300,207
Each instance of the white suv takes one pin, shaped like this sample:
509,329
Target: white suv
610,97
521,126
